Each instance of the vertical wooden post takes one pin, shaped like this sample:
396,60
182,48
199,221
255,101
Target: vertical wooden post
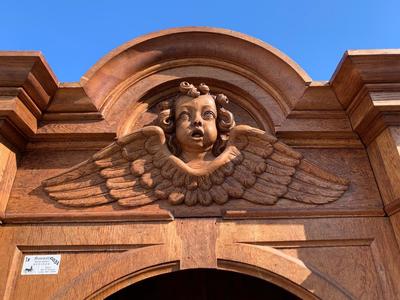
384,154
8,169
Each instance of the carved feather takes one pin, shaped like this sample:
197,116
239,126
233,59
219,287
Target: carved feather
138,169
281,172
87,202
177,196
219,195
84,181
204,197
255,196
191,197
85,168
122,171
143,199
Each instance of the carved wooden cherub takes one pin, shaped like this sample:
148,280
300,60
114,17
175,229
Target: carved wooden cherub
195,156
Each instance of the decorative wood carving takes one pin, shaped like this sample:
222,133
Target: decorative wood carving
196,156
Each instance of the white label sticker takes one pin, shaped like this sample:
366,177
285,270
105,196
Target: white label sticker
41,264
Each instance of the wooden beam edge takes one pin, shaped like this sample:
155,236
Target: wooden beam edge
8,170
86,217
132,216
302,213
393,207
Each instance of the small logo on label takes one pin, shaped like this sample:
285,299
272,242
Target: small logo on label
41,264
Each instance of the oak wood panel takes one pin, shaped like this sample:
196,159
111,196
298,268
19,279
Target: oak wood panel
385,160
29,200
8,169
84,249
326,252
301,238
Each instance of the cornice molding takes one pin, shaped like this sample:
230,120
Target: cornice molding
27,84
367,84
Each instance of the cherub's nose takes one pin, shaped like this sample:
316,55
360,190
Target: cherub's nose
197,123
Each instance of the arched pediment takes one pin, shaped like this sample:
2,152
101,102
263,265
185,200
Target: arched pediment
258,78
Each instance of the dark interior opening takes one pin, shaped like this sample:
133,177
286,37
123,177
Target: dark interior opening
201,284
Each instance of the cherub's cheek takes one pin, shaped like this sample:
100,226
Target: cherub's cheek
183,123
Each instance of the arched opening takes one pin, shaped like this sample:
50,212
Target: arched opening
201,284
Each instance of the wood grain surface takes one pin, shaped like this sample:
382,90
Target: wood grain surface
349,126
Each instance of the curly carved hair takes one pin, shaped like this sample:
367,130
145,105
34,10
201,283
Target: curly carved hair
166,117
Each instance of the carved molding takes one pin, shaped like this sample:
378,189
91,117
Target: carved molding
26,87
375,108
181,163
367,84
194,42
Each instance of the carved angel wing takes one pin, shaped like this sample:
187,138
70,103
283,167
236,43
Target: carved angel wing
138,169
271,170
125,171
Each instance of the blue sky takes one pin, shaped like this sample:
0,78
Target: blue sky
73,35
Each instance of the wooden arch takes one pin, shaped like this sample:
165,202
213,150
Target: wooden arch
268,264
264,81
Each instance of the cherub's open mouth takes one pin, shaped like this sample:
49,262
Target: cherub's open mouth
197,133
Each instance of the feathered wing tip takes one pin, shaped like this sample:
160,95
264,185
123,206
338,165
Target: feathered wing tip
108,175
81,186
272,170
312,184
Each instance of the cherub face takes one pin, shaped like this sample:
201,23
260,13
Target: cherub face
196,129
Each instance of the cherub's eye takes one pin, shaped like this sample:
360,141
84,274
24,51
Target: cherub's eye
208,115
184,115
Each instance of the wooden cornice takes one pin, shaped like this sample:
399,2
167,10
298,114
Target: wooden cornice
71,102
29,70
367,84
26,86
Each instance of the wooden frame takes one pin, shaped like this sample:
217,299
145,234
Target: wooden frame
349,126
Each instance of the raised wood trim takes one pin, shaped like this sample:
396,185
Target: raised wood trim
26,86
278,269
70,97
21,94
29,70
300,213
276,279
88,216
375,108
359,67
72,116
133,278
134,216
11,136
220,46
393,207
14,111
385,162
367,84
8,169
